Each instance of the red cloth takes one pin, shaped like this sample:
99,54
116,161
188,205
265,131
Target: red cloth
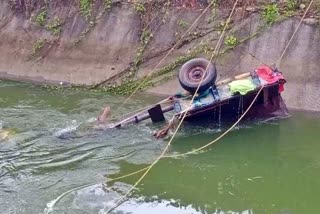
270,76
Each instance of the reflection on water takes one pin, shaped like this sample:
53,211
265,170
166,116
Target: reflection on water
269,167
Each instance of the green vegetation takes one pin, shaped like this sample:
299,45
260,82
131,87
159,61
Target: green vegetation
213,2
126,87
42,17
107,4
85,8
291,5
183,24
37,46
271,13
139,7
231,41
145,37
55,26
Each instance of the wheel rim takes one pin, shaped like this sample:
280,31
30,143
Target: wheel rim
195,74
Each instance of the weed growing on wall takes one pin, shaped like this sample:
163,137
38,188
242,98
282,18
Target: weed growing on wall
231,41
183,23
55,26
85,8
139,8
37,46
290,7
271,13
107,4
41,18
291,4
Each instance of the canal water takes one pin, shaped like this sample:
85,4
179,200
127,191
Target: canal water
260,167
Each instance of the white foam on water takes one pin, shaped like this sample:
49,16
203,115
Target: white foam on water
91,120
51,204
70,128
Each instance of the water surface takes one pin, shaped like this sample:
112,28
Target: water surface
265,167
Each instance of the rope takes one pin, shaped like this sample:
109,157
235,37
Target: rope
293,35
128,175
180,123
162,60
222,135
259,60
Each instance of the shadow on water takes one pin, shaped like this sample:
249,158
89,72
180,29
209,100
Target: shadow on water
259,167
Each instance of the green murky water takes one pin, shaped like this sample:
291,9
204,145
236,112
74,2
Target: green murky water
270,167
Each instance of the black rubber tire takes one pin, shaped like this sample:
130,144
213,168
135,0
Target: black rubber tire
191,73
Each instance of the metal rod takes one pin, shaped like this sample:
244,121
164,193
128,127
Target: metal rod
141,116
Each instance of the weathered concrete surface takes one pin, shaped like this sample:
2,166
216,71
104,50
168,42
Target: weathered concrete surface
300,65
111,46
106,50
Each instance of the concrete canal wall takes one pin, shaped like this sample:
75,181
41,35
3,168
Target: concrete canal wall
59,42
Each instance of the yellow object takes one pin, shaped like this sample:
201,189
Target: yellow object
6,134
242,86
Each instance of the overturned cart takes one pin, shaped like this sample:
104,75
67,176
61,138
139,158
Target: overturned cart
228,97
